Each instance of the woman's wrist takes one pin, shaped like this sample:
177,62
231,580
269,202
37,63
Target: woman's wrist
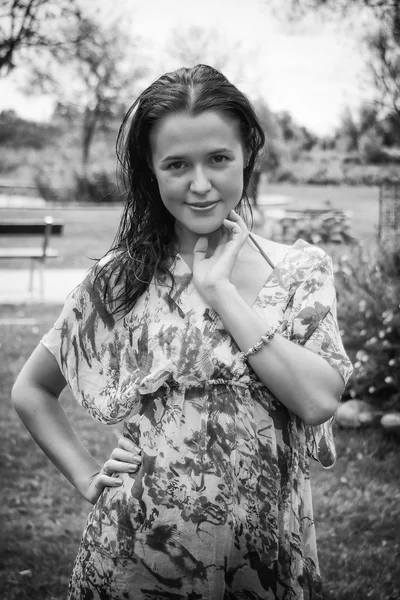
218,294
84,477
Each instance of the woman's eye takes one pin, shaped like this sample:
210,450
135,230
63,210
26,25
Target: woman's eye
219,158
179,164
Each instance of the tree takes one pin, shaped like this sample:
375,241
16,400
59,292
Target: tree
384,65
273,150
199,45
385,12
382,40
97,78
295,134
27,24
348,132
368,118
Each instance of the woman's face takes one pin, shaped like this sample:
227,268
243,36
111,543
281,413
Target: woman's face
198,162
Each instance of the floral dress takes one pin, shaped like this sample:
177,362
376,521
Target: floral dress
221,506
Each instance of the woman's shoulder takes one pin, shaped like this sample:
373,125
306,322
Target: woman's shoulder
108,259
102,278
276,251
300,252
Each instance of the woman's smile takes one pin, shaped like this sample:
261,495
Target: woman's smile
203,206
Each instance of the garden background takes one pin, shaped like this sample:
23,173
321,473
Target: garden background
69,164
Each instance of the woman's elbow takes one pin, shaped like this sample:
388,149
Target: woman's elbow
321,411
18,397
323,405
23,395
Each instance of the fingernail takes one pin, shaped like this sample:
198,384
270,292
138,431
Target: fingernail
133,467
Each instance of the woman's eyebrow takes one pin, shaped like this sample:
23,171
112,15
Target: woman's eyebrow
221,151
182,156
168,158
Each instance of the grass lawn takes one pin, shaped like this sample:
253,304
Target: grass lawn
361,202
88,233
357,503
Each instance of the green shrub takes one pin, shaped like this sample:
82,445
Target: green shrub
283,175
370,147
317,227
369,315
9,160
18,133
98,188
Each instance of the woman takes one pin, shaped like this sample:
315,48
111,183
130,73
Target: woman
219,350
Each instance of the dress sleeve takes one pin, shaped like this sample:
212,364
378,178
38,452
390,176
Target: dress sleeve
90,347
66,323
311,321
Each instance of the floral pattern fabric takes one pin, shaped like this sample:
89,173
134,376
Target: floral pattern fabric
221,506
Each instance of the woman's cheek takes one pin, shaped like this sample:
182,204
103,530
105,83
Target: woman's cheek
234,185
166,188
171,185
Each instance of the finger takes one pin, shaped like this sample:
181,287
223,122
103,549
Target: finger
233,216
237,234
231,224
112,465
107,481
127,444
233,227
124,456
200,249
118,466
105,478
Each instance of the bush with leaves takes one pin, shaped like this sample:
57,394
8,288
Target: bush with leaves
16,132
369,314
370,147
95,188
316,227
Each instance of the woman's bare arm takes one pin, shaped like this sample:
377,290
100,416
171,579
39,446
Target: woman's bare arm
35,399
302,380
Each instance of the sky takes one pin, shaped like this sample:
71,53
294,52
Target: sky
314,69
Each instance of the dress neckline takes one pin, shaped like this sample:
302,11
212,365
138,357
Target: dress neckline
182,266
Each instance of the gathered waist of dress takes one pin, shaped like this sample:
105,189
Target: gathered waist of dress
210,383
152,387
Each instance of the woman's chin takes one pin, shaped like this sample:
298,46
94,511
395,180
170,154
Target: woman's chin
199,229
207,229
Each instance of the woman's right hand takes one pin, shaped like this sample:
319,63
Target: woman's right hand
124,459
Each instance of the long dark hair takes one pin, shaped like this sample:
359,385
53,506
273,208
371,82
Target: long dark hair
145,243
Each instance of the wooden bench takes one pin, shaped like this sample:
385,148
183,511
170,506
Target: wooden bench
37,254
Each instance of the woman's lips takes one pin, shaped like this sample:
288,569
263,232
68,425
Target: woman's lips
202,206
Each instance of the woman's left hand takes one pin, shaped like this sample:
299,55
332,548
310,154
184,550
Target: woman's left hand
125,458
213,274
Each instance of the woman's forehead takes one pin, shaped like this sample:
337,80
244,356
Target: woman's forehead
185,131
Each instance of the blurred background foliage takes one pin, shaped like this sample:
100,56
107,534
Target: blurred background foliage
94,68
368,287
365,150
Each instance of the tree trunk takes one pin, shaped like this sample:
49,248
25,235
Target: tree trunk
89,127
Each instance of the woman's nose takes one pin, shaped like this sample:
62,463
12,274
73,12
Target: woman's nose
200,183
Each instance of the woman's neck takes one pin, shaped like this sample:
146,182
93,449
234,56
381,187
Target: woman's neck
188,240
